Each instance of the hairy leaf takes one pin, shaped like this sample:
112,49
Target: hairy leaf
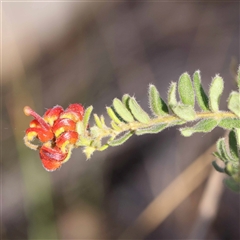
222,150
185,112
157,105
205,125
172,98
229,123
152,130
138,112
112,115
115,126
234,103
125,100
120,140
98,121
237,132
219,156
86,116
215,93
185,90
201,96
121,109
232,140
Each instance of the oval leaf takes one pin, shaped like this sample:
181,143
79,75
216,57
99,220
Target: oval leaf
185,90
122,110
86,116
205,125
201,96
138,112
229,123
237,132
172,98
185,112
152,130
157,105
115,126
120,140
215,93
232,141
234,103
112,115
222,150
125,100
98,121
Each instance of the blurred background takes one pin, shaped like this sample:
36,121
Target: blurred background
152,187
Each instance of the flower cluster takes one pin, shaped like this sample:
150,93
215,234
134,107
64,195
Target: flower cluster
57,132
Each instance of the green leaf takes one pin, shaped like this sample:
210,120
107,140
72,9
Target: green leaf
103,147
86,116
152,130
185,90
121,109
157,105
98,121
125,100
172,98
201,96
229,123
185,112
112,115
102,120
234,103
115,126
232,184
217,168
120,140
138,112
215,93
232,140
222,150
205,125
80,128
219,156
237,132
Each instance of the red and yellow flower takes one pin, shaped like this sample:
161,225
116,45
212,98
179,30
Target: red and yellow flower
57,132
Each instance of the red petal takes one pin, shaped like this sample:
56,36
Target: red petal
76,108
69,114
35,123
51,157
63,125
51,165
53,114
68,137
52,153
42,134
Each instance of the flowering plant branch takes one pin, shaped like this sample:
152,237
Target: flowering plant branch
59,131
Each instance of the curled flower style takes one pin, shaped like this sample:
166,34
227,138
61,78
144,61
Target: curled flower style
57,132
